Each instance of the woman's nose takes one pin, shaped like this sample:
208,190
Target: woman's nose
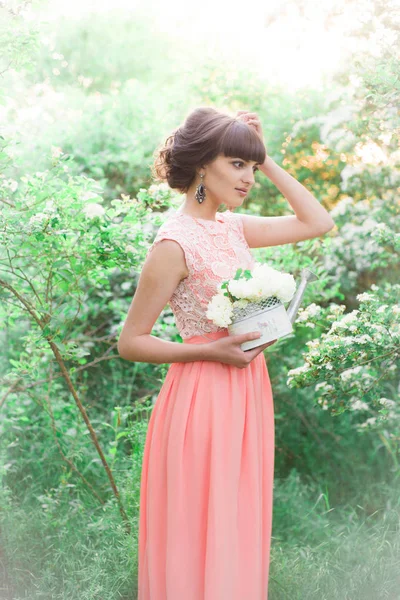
249,177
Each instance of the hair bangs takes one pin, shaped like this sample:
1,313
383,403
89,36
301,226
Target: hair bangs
241,141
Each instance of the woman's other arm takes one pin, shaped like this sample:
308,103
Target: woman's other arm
162,271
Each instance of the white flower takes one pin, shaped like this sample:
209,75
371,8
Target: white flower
381,226
264,283
382,308
36,222
341,207
378,328
239,288
93,210
323,384
336,309
302,369
370,421
313,309
365,297
359,405
350,317
11,184
324,404
88,195
387,403
363,339
338,325
38,218
220,310
348,373
287,287
50,207
313,343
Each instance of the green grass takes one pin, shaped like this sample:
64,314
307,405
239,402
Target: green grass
337,553
58,547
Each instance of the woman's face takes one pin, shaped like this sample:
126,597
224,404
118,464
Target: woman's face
225,176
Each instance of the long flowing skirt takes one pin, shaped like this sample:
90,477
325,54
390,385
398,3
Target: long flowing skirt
207,483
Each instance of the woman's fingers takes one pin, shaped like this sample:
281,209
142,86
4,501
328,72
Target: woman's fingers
247,113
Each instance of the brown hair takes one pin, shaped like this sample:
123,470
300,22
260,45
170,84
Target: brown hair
204,135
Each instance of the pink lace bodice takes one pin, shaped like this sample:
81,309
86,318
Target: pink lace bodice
214,250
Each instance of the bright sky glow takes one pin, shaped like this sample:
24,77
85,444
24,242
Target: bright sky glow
279,40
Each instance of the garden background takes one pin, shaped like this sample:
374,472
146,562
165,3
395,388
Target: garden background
87,94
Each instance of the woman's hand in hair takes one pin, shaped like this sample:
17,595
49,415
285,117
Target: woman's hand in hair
251,118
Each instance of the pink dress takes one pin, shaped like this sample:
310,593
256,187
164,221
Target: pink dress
208,465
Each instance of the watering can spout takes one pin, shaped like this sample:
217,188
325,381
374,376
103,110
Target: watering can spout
306,276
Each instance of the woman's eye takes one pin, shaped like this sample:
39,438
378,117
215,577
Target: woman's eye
240,163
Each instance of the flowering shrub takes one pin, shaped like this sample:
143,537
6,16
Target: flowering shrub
60,249
367,239
347,362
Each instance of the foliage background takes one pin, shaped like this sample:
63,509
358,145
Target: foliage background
78,211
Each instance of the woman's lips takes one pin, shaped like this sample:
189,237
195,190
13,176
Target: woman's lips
241,192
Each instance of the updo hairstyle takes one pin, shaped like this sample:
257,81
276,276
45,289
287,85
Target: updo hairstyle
205,133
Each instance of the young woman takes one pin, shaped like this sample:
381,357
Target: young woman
208,465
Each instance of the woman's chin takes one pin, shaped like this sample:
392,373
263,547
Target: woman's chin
233,206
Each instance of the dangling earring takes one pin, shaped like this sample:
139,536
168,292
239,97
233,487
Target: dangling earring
200,194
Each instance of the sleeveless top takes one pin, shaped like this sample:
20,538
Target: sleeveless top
213,250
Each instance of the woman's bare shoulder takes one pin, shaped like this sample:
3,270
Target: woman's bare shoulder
166,256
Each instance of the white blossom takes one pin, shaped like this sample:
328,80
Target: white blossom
299,370
359,405
238,288
313,343
364,297
36,222
93,210
220,310
370,421
382,308
349,372
312,310
265,282
11,184
324,386
387,402
363,339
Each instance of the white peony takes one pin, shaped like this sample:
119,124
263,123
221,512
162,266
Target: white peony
286,287
265,282
238,287
220,310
